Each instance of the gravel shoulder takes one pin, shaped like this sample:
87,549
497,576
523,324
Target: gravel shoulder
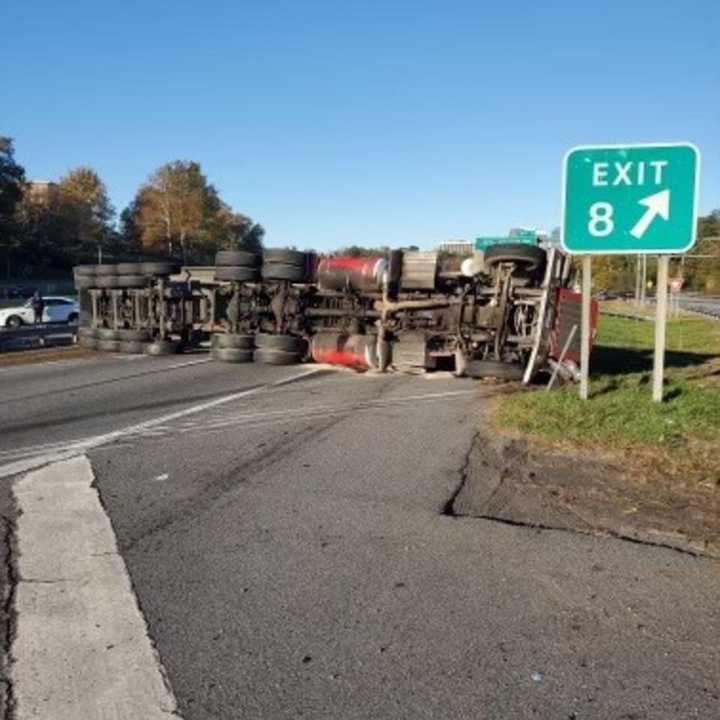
624,493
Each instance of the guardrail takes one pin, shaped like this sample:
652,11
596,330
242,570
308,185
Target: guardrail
32,336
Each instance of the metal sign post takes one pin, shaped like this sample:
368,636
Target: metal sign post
660,327
585,327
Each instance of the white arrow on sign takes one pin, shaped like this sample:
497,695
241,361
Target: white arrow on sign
657,204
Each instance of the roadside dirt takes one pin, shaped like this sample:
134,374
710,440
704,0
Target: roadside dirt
28,357
513,480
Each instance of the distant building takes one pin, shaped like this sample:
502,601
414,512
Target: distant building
41,191
456,247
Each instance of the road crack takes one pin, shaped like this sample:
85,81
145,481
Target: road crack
9,617
449,507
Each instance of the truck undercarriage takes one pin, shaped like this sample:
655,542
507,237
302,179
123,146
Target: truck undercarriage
493,317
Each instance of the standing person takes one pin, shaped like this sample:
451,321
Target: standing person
38,305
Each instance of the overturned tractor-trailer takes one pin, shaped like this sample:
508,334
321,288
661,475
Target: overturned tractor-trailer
504,314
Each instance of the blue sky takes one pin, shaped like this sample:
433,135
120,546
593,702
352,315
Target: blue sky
359,122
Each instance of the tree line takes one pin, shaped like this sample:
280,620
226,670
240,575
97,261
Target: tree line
700,269
177,212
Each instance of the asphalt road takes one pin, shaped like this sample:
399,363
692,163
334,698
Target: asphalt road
287,544
707,305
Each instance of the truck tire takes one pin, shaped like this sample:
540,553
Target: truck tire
493,368
131,281
109,345
162,347
106,281
283,271
85,282
529,257
88,332
286,343
160,268
105,269
90,343
285,257
129,269
85,270
237,258
236,342
133,335
277,357
132,347
108,334
236,273
232,355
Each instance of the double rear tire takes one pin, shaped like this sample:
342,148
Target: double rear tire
263,347
122,275
286,265
279,349
237,266
230,348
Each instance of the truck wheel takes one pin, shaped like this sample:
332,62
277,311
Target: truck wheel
129,269
133,335
160,268
105,269
283,271
236,273
132,347
106,281
237,258
90,343
285,257
131,281
229,340
85,282
276,357
109,345
161,347
14,321
232,355
286,343
492,368
529,257
84,270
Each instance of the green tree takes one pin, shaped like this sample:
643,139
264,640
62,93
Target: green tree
177,211
12,178
703,273
86,212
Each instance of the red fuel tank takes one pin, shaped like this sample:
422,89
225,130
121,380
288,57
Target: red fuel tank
355,273
355,351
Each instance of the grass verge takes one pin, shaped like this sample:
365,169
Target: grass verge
680,437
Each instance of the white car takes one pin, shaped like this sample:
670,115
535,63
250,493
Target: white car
57,310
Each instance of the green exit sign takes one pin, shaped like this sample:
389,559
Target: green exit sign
630,198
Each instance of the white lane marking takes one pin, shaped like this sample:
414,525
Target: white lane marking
217,422
74,447
183,364
81,649
161,478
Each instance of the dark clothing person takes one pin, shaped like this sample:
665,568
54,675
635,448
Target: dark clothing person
38,305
